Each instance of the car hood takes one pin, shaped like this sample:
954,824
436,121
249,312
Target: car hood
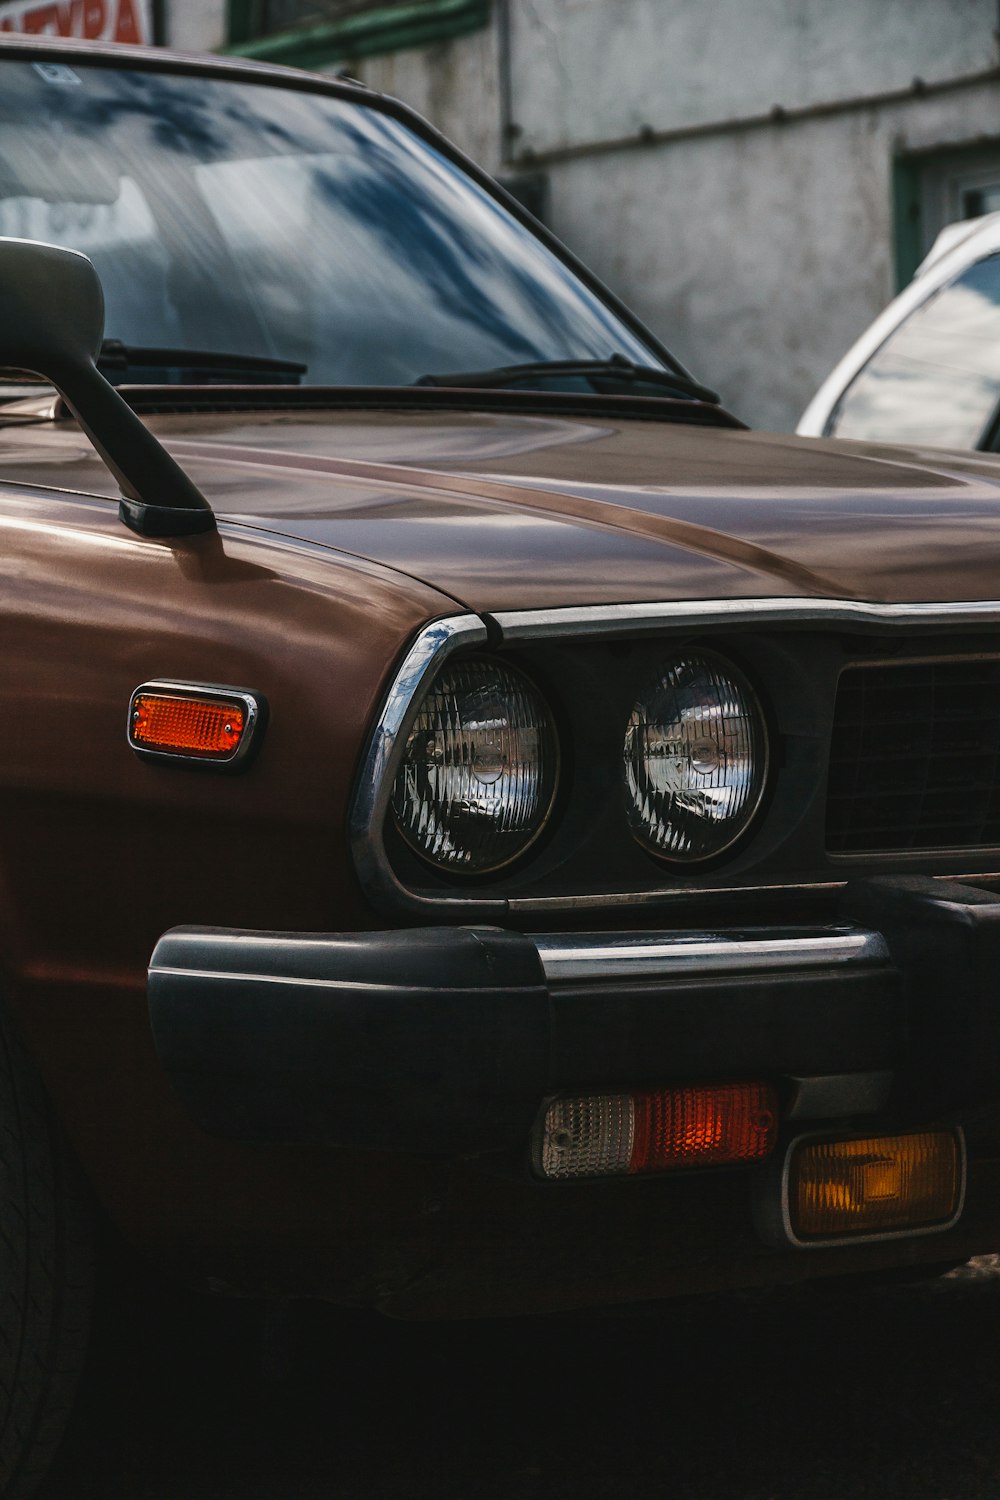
507,511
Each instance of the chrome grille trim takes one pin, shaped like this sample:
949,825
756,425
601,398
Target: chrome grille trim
634,619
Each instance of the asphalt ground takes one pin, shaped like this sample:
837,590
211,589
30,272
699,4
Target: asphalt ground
782,1395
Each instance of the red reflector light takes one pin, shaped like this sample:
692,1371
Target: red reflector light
210,728
655,1130
706,1127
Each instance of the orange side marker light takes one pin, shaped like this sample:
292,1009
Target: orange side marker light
201,725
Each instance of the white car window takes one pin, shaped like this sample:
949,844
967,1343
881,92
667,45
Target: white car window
936,379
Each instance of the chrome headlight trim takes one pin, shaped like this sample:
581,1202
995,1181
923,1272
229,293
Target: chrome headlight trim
437,640
434,644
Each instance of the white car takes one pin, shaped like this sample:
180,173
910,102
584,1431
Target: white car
927,371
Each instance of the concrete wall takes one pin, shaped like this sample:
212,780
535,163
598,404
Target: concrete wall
586,70
196,25
456,85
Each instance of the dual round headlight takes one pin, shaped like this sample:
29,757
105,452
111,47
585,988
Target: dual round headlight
696,758
479,769
478,777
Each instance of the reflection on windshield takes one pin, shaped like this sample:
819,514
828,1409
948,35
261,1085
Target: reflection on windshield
937,378
282,224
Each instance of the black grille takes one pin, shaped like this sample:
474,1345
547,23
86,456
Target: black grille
915,758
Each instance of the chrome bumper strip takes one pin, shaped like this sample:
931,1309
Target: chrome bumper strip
596,957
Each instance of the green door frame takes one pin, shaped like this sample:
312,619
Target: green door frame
928,189
907,217
389,28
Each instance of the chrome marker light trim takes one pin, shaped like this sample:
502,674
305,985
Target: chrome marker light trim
608,620
253,704
370,806
594,957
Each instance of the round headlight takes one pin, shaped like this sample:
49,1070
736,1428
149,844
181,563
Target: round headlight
478,775
695,758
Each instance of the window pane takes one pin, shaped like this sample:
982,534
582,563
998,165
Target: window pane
937,378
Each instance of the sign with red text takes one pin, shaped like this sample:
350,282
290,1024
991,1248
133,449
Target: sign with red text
98,20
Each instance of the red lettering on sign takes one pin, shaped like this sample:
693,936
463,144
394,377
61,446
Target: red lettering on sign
118,20
58,18
93,15
128,28
40,20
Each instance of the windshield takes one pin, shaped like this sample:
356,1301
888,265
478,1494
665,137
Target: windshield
267,222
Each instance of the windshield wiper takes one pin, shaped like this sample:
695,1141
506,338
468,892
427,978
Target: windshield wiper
197,366
601,374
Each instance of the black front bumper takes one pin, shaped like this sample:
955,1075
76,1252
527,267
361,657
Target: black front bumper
449,1039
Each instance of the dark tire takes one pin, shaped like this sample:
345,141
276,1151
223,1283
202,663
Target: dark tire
47,1259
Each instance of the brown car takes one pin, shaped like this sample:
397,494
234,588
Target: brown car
480,831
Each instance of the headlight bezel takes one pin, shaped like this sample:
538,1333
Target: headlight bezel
586,861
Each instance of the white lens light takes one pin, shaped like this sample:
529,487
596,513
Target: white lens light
479,770
586,1136
695,758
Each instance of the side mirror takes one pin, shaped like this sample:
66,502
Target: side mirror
51,324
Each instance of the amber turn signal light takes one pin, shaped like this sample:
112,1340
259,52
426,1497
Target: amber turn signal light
189,726
885,1184
191,722
654,1130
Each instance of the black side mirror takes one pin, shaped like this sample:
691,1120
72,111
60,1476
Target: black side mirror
51,324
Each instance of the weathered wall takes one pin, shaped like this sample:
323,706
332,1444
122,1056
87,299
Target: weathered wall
588,69
759,256
455,85
196,25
